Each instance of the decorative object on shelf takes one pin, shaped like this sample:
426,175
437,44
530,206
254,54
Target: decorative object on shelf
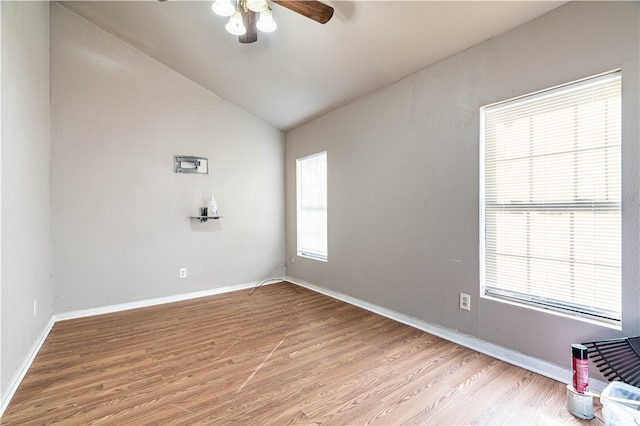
210,211
212,205
190,164
242,16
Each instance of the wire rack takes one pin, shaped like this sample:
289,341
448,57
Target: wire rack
617,359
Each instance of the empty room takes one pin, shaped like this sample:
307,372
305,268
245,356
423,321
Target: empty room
303,212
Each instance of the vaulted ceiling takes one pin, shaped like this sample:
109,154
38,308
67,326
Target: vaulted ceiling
305,69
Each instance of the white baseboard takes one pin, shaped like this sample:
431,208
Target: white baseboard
16,379
153,302
510,356
22,369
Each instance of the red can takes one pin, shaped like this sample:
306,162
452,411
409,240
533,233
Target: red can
580,367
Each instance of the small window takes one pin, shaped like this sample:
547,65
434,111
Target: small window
550,199
311,178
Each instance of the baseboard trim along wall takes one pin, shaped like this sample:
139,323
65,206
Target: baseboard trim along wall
512,357
157,301
535,365
17,377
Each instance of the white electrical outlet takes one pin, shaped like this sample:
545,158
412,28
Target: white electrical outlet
465,302
35,307
183,272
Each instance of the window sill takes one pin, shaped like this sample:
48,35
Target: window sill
556,312
314,257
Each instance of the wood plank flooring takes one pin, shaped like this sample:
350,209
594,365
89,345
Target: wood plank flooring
283,355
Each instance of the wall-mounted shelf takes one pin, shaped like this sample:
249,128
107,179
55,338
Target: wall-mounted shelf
205,218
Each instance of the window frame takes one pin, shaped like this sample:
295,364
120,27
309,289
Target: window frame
302,251
522,299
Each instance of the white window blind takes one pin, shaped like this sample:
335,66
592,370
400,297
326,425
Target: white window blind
311,173
550,198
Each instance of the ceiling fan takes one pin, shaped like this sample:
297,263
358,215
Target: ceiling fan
244,20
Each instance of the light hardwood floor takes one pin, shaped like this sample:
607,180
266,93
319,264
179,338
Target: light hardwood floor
283,355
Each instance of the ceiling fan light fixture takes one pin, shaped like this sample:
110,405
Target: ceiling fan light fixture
223,8
257,5
245,23
266,24
235,25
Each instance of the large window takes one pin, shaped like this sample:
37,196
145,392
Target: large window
311,178
550,198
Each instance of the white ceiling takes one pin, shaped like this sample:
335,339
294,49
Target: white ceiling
305,69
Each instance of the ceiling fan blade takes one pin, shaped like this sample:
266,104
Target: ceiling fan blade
312,9
249,21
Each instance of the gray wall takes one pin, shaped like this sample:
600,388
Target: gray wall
403,179
120,215
26,253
